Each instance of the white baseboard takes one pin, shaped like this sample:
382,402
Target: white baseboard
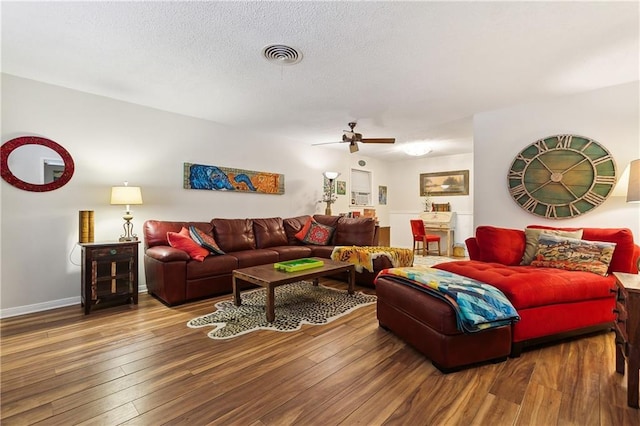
45,306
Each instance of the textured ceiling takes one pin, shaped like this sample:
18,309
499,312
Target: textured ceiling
409,70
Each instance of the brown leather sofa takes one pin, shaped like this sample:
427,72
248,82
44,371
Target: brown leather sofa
174,278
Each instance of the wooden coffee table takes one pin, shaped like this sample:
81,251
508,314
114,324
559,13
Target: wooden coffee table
268,277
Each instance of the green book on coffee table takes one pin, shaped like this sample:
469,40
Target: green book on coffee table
298,265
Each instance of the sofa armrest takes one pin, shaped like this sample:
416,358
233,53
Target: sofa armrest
166,253
473,248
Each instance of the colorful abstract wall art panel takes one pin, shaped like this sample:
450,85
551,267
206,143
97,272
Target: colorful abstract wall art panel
200,176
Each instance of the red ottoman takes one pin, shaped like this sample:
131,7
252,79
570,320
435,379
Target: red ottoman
429,325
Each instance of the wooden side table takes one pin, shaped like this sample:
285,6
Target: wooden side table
627,328
109,273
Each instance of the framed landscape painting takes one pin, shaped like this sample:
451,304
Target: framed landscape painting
444,183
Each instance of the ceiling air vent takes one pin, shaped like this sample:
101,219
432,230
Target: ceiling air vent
281,54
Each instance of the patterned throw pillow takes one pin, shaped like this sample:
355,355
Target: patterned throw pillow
573,254
318,234
181,240
204,240
532,235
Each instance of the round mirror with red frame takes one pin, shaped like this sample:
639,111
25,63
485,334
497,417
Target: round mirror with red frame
58,181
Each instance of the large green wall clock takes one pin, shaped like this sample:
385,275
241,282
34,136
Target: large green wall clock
562,176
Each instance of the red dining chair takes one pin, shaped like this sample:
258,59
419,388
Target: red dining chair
420,236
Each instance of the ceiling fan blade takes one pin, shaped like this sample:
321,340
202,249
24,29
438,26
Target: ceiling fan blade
353,147
378,140
327,143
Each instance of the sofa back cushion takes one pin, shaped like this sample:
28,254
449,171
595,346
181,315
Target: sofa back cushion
155,231
234,234
500,245
357,231
623,255
292,226
269,232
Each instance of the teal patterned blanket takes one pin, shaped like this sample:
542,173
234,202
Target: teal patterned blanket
478,305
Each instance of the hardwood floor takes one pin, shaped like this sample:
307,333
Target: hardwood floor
142,366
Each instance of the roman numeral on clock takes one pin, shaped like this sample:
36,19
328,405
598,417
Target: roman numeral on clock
606,180
518,191
516,175
593,198
564,141
530,205
541,145
601,160
573,210
551,211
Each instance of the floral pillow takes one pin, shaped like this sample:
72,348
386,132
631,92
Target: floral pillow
317,234
204,240
573,254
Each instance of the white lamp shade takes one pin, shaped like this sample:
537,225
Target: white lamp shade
125,195
331,175
633,191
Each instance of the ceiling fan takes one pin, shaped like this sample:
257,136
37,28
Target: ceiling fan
353,138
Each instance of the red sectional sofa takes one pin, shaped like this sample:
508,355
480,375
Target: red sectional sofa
552,303
174,277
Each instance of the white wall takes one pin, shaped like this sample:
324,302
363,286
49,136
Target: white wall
112,141
609,116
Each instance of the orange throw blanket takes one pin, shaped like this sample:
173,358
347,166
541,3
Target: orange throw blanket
362,256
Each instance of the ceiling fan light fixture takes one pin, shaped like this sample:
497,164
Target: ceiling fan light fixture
416,149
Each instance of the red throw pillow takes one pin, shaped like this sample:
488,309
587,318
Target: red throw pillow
303,232
181,240
500,245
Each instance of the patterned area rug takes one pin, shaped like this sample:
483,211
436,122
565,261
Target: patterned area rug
295,304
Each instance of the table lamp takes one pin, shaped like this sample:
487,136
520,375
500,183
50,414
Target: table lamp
633,190
126,195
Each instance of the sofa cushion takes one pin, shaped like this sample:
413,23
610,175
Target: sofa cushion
528,286
204,240
357,231
255,257
269,232
623,256
234,234
573,254
317,234
212,266
328,220
292,252
532,235
182,240
500,245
